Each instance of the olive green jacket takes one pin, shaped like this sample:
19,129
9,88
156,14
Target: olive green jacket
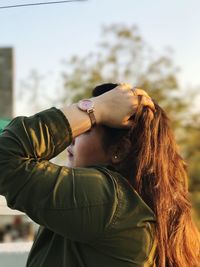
88,217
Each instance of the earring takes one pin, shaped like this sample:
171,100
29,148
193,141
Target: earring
115,156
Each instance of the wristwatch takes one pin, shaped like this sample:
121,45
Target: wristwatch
88,106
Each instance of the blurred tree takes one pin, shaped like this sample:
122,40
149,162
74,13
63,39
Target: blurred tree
191,148
192,154
35,92
123,55
30,91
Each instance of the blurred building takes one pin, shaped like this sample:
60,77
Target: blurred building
6,102
14,225
6,82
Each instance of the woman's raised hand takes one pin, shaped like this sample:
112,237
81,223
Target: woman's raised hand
115,107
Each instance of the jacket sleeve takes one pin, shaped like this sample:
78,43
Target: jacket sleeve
77,203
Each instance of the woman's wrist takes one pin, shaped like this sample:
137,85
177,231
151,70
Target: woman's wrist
79,120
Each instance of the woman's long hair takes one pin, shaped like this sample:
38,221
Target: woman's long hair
158,173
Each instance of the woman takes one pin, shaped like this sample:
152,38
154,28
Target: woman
123,198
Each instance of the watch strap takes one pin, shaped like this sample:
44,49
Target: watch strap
92,117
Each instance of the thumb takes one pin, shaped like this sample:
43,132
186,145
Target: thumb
128,124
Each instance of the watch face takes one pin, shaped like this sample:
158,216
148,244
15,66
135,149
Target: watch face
85,104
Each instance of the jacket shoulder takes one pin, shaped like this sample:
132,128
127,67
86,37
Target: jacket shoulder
128,197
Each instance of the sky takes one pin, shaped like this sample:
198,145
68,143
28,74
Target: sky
42,36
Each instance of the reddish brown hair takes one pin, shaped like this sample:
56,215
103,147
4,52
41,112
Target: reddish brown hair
158,173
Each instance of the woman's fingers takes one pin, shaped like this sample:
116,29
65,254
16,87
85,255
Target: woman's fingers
146,101
138,91
124,86
135,92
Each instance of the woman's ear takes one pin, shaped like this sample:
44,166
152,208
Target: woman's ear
120,151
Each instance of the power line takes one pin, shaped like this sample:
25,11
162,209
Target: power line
41,3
